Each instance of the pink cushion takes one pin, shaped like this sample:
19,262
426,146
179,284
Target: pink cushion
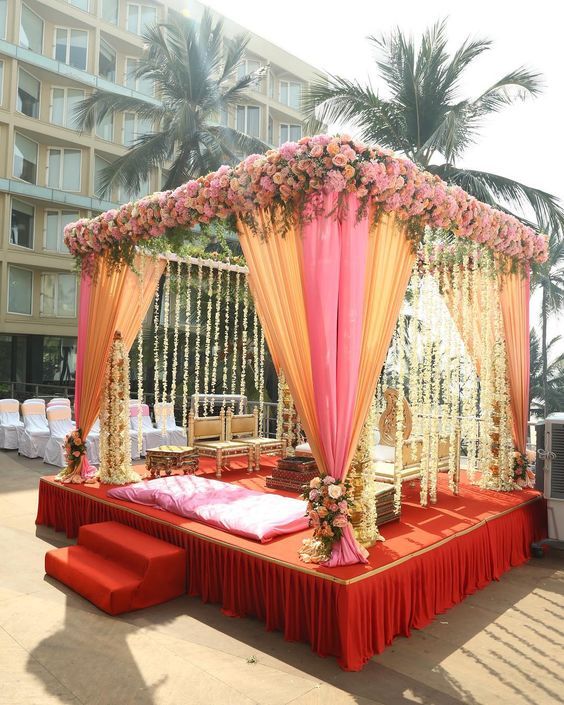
255,515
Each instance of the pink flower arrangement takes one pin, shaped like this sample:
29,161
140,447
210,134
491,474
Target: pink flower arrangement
328,509
75,448
289,176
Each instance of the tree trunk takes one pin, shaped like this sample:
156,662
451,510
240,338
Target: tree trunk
544,316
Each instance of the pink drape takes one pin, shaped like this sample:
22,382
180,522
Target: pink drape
334,272
514,300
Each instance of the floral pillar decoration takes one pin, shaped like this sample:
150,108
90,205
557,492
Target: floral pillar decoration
235,340
175,338
166,307
186,366
197,387
207,365
226,338
242,387
140,366
115,439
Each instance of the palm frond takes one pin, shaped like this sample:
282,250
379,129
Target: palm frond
95,107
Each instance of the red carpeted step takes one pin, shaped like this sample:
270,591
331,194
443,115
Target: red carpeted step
121,553
105,583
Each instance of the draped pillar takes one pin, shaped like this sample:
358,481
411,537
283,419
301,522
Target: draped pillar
329,299
110,300
514,300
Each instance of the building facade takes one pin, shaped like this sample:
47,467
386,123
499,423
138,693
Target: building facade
53,53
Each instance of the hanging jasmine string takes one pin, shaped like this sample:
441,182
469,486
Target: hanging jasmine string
244,343
186,345
208,341
226,338
198,341
235,342
217,326
175,345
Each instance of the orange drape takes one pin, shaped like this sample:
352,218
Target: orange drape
390,261
276,282
116,303
514,300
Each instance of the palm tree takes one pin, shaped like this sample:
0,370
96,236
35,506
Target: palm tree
195,79
549,277
425,118
545,398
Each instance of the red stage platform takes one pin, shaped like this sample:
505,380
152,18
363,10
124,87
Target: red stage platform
429,562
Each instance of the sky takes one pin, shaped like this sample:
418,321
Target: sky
523,142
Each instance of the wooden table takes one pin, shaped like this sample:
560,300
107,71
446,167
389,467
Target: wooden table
169,458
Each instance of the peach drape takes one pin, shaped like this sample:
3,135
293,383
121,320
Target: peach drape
114,302
514,299
289,291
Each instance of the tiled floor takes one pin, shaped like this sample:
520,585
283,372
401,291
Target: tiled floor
503,645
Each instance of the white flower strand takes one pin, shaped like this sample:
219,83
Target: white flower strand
175,344
207,366
244,342
198,342
141,281
186,371
156,326
261,380
217,326
400,421
226,338
255,349
280,407
235,341
166,306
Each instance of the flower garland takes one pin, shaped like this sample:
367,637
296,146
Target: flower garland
328,509
311,167
198,341
226,338
522,471
166,304
187,317
208,343
217,327
242,386
175,339
115,439
140,363
261,380
156,326
280,407
400,421
235,341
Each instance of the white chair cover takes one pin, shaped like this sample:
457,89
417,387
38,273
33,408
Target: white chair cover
175,435
151,436
59,401
33,438
10,422
60,425
34,401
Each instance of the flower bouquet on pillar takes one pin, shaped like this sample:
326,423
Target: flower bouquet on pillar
115,439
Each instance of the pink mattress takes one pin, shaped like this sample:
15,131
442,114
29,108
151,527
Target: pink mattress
255,515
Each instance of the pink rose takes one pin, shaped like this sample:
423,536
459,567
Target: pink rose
340,521
339,160
316,151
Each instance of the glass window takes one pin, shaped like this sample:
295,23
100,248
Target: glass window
107,61
139,17
58,295
25,159
291,93
71,47
22,225
31,30
134,127
99,165
290,133
3,18
59,359
248,120
63,169
55,223
110,11
105,128
63,105
246,67
20,290
81,4
143,85
27,101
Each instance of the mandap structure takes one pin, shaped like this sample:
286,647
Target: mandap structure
363,270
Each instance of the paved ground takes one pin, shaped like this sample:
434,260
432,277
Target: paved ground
502,645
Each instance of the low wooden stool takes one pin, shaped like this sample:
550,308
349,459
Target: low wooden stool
169,458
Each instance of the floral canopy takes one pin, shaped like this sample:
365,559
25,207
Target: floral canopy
328,227
297,176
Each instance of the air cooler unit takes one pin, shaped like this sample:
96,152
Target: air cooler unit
550,477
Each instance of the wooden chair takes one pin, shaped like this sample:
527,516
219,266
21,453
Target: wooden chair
207,434
384,453
244,427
